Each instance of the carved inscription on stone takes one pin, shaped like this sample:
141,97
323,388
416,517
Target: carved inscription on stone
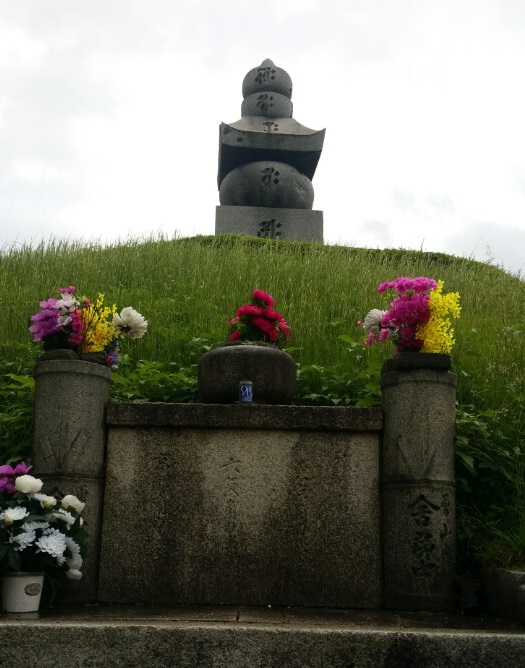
270,175
264,102
231,470
270,126
269,229
424,545
264,75
64,451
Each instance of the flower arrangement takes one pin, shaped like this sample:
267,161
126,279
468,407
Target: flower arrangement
83,326
419,318
258,321
38,533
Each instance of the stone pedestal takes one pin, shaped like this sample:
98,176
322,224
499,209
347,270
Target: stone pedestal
270,223
418,488
69,447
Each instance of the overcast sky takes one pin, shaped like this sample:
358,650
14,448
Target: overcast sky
110,113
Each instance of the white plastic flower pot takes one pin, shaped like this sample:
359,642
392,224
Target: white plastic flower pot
21,592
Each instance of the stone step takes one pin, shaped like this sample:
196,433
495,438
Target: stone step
236,637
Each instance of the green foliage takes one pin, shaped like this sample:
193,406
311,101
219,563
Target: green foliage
490,478
16,407
170,382
189,288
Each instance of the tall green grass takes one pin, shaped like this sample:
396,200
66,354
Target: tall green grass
191,287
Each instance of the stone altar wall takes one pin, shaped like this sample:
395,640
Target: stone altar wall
252,505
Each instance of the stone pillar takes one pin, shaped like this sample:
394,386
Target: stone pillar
69,448
418,487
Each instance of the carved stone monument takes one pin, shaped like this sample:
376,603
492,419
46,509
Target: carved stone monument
267,161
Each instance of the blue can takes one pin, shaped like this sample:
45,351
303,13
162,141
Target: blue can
245,392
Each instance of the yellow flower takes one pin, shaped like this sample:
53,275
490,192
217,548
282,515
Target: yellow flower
438,334
98,330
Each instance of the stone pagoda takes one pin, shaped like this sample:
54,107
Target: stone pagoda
267,161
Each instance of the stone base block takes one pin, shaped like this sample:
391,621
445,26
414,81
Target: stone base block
241,516
269,223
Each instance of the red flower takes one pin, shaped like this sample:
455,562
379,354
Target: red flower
261,296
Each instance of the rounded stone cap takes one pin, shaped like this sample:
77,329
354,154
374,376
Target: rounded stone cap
267,77
269,105
267,183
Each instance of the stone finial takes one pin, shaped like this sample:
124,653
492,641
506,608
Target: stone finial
267,91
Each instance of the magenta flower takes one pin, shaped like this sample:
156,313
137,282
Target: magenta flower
408,311
8,475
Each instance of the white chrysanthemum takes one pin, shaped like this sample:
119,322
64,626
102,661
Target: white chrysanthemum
73,547
71,500
46,501
33,526
11,515
130,323
64,516
53,542
27,484
372,320
23,540
73,574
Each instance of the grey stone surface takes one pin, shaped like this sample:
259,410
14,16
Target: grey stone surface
286,141
259,639
272,372
261,417
418,489
267,183
270,223
69,447
241,516
504,590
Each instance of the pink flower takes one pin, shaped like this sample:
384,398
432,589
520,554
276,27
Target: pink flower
285,328
371,338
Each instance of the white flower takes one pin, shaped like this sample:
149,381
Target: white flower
46,501
33,526
64,516
74,548
130,323
73,574
11,515
53,543
27,484
68,303
23,539
71,500
372,320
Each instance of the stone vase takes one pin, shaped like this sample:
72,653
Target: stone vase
272,372
69,441
21,592
418,482
417,360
